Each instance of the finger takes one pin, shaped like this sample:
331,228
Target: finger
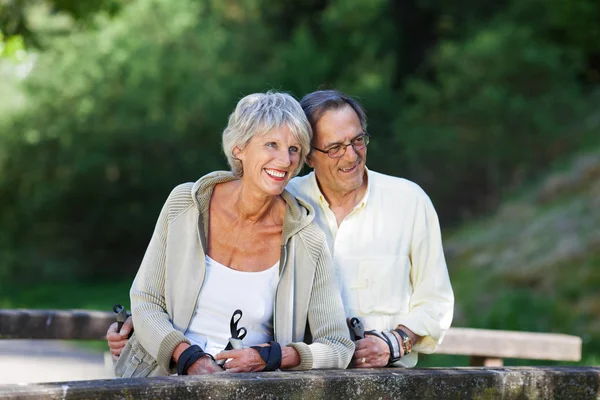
116,353
362,344
363,353
112,328
115,358
224,355
117,344
232,364
127,327
113,337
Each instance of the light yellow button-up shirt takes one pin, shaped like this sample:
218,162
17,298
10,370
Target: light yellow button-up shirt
388,258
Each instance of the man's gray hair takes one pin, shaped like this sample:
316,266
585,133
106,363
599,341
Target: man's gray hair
317,103
261,113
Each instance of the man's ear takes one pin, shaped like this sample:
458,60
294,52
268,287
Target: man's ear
309,160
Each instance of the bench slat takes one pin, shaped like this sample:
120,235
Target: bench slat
55,324
484,343
511,344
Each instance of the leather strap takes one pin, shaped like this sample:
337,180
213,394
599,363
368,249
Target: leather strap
271,355
392,342
235,341
233,328
189,357
406,341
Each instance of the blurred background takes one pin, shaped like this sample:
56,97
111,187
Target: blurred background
492,107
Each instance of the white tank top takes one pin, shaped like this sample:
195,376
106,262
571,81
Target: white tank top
226,290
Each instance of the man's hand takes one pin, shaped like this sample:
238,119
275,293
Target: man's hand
204,365
371,352
242,360
118,340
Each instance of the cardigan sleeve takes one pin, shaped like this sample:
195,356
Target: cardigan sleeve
153,325
331,346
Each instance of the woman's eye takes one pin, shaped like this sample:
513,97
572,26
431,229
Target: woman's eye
294,149
272,145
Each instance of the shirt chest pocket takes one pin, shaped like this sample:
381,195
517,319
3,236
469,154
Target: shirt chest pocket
383,285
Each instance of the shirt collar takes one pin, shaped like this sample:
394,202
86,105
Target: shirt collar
362,203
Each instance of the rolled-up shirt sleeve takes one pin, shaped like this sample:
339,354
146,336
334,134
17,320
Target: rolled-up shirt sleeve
432,302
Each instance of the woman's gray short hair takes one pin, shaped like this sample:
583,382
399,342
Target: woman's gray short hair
261,113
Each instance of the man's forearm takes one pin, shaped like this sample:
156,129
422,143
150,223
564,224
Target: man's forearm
413,336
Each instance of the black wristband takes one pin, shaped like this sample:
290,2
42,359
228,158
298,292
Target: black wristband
387,337
188,357
274,358
271,355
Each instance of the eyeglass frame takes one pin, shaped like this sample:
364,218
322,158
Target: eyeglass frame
365,135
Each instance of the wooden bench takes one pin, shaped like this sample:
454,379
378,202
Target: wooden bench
485,347
489,347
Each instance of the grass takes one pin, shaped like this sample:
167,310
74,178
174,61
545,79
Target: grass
531,265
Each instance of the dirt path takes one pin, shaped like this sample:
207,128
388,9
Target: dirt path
27,361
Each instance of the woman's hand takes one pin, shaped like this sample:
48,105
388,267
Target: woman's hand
204,365
242,360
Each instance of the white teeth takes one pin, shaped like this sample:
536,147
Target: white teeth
276,174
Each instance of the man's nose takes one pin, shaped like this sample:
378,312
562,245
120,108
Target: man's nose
351,154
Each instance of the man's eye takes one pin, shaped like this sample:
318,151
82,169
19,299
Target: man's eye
359,140
334,149
294,149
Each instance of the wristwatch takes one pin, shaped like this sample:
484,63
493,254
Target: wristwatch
407,343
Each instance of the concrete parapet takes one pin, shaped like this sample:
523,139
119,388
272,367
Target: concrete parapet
434,383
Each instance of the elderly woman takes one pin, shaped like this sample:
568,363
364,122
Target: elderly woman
236,247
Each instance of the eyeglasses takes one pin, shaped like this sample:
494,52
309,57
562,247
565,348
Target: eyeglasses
338,150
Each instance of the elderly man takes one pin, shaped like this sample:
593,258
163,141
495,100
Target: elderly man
383,233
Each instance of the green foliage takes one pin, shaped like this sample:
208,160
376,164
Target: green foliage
132,97
29,20
502,105
12,47
109,116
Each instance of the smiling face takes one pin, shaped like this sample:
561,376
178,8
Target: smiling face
339,175
269,160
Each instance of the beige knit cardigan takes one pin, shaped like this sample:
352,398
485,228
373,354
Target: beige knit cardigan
166,288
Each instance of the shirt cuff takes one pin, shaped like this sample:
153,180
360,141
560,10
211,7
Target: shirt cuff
430,338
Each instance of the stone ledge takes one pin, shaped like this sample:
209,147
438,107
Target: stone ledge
434,383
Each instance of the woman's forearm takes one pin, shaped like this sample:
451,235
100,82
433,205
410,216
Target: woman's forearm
290,358
178,350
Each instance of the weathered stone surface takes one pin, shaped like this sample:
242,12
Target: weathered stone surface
448,383
54,324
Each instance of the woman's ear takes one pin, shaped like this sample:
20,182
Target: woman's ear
237,153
